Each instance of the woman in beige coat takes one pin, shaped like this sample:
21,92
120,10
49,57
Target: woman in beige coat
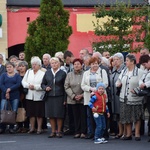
90,79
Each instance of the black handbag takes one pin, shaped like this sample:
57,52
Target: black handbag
141,92
45,96
25,91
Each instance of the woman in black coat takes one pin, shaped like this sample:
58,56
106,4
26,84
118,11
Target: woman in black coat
53,84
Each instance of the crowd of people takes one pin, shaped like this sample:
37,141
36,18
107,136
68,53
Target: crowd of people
92,96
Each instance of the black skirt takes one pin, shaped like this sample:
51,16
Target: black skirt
54,107
35,108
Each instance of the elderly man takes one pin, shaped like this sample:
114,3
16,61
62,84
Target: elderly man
83,53
46,61
144,51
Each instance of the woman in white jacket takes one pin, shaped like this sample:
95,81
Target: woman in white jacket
131,109
89,81
35,104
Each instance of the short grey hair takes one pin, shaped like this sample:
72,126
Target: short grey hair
60,55
23,63
98,54
37,60
119,55
48,55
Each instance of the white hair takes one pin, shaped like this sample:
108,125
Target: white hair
47,55
60,55
36,60
97,54
105,61
119,55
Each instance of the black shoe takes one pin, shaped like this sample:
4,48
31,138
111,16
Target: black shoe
68,132
137,138
2,131
89,136
127,138
11,131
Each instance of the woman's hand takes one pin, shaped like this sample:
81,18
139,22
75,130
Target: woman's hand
142,86
119,84
93,89
48,89
78,97
8,90
7,96
132,91
31,87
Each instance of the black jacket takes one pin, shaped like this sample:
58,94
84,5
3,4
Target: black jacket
55,82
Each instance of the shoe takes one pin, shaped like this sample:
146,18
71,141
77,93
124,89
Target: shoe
137,138
89,136
24,130
19,130
127,138
2,131
122,137
104,140
11,131
118,136
98,141
59,135
77,136
112,134
52,135
82,136
148,140
39,132
31,131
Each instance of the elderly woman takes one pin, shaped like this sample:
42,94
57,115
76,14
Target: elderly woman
131,109
75,98
118,62
53,84
35,104
9,85
90,79
22,127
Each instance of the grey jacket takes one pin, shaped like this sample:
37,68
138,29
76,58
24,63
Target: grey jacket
73,86
128,84
115,98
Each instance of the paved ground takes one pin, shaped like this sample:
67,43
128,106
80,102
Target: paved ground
39,142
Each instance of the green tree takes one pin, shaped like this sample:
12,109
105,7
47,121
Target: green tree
147,37
49,33
125,24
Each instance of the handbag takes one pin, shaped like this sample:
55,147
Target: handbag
8,116
44,96
21,114
141,92
25,91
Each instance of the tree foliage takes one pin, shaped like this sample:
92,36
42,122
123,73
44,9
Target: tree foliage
49,33
124,25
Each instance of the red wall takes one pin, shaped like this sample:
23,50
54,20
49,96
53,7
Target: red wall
17,28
